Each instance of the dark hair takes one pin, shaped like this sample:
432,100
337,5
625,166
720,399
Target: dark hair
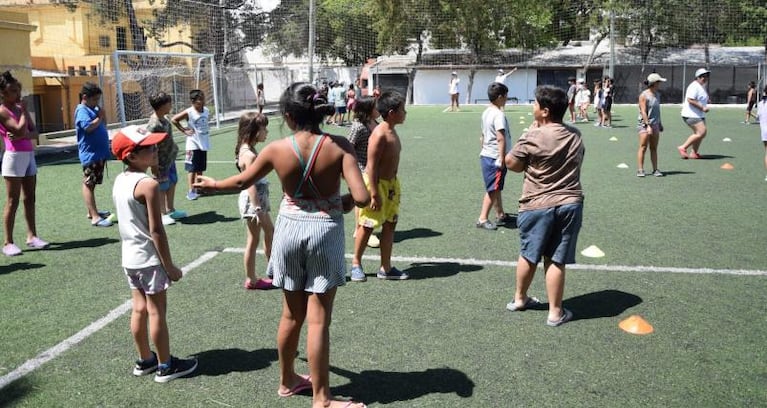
250,124
156,101
752,84
260,86
90,89
7,79
389,101
196,94
363,108
305,106
764,93
553,98
495,90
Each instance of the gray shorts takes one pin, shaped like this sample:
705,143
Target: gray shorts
308,253
243,201
19,164
150,280
550,232
693,121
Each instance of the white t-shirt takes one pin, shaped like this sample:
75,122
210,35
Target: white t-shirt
454,86
761,111
493,120
583,96
198,121
694,91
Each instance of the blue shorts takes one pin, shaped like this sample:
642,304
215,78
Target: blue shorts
196,161
550,232
493,176
341,109
169,179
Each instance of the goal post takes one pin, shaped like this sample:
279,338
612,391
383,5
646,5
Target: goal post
139,74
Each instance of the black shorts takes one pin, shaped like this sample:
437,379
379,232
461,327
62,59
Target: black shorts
93,173
196,161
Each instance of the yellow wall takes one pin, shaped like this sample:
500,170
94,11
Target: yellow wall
15,32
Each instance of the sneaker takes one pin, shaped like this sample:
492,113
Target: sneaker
682,152
640,173
168,220
506,219
102,222
144,367
566,317
373,241
37,243
487,225
11,250
657,173
260,284
112,218
192,195
695,155
177,214
358,275
177,368
393,274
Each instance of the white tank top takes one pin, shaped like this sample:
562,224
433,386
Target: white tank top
138,250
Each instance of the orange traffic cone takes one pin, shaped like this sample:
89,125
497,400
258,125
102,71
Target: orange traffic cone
635,324
727,166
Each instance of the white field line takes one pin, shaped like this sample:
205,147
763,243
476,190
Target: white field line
55,351
588,267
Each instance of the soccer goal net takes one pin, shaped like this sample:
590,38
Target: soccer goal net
138,75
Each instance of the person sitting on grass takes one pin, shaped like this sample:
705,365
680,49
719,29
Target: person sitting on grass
146,257
551,206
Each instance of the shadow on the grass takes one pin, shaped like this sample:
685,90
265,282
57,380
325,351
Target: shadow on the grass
385,387
208,217
400,236
19,266
605,303
86,243
714,157
676,173
427,270
222,362
16,390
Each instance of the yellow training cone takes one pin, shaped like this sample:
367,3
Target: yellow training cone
727,166
593,252
635,324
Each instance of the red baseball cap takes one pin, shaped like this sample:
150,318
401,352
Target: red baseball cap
130,137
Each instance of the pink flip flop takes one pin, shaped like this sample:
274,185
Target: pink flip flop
304,384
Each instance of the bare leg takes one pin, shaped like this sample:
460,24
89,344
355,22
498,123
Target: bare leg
387,241
13,191
170,198
28,186
525,274
699,132
90,201
499,211
642,149
654,137
360,243
765,155
158,326
555,287
288,333
251,244
138,324
487,203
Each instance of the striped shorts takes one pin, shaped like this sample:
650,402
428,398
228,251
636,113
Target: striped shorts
308,252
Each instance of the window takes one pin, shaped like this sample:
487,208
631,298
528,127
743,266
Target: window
82,71
71,71
94,70
104,41
121,38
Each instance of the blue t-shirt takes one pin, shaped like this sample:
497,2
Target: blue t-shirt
92,146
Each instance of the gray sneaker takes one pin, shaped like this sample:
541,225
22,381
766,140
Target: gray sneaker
358,275
393,274
657,173
640,173
487,225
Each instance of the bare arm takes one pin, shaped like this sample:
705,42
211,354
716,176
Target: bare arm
100,118
376,147
353,177
147,190
17,128
643,109
514,164
261,166
500,136
176,121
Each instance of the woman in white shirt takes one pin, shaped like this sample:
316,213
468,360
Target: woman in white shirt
454,91
694,110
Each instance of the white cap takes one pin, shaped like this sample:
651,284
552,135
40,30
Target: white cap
453,73
653,78
581,81
500,70
701,71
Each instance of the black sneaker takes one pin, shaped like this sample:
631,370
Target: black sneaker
144,367
177,368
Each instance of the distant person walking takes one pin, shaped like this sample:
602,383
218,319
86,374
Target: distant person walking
650,124
454,90
694,110
751,97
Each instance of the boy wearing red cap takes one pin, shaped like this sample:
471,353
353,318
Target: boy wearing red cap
146,258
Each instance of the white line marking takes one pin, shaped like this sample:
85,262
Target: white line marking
55,351
586,267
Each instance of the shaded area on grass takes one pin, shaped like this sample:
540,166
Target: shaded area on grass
427,270
676,173
208,217
19,266
85,243
605,303
413,233
225,361
16,390
386,387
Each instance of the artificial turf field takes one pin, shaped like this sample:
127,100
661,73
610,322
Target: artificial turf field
687,252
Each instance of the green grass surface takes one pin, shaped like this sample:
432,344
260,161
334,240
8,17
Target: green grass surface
444,338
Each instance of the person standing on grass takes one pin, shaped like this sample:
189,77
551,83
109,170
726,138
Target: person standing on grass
365,121
260,99
253,202
165,171
572,89
197,138
761,112
19,167
501,77
694,110
751,97
607,108
308,254
650,124
146,257
495,142
599,102
551,206
454,90
384,148
92,148
351,100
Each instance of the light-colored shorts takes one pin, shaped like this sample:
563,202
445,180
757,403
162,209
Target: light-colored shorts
150,280
550,232
243,201
641,128
308,252
389,191
693,121
19,164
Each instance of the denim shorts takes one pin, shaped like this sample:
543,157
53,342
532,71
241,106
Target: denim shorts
550,232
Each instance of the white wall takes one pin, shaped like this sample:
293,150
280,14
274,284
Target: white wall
430,86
